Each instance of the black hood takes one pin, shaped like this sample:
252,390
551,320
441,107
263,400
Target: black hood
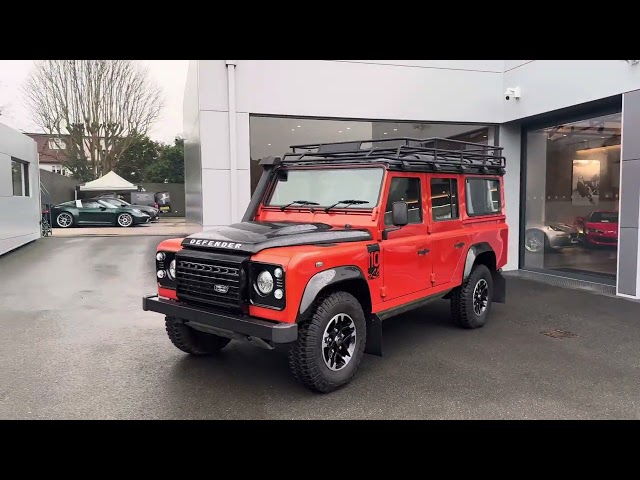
251,237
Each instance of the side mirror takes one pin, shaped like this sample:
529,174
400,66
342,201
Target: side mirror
103,208
400,214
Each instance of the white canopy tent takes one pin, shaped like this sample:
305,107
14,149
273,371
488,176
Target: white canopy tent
110,182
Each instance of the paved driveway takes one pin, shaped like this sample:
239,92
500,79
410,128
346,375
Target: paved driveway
76,344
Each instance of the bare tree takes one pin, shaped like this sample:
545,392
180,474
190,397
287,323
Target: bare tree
99,107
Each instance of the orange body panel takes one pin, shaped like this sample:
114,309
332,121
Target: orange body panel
406,274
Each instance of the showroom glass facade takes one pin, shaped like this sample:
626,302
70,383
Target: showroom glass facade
571,198
273,136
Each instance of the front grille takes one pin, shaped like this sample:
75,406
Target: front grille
211,281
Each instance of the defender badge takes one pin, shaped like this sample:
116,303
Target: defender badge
220,288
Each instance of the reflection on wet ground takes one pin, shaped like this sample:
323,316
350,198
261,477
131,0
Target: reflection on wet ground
598,260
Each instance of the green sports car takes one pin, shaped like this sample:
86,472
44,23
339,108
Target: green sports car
93,211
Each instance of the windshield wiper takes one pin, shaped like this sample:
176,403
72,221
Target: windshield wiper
346,202
299,202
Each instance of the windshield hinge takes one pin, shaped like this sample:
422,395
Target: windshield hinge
383,292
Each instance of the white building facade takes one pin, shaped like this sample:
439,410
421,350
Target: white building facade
568,140
19,190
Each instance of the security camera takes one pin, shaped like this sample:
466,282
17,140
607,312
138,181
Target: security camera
512,93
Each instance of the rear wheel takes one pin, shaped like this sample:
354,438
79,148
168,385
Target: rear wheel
535,241
471,301
330,344
64,220
193,341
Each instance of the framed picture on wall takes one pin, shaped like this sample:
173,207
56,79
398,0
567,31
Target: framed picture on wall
585,182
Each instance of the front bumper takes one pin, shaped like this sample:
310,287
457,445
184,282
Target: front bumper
602,239
562,239
200,317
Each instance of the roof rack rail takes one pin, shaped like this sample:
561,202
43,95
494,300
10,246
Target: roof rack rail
409,154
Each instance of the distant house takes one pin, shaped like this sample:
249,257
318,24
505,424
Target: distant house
52,150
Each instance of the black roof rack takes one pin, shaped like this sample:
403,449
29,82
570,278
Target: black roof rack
408,154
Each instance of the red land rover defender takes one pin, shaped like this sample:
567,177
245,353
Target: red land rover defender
336,239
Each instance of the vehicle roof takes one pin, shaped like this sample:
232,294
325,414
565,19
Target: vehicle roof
403,154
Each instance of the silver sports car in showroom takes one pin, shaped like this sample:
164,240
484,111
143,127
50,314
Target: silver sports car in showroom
555,235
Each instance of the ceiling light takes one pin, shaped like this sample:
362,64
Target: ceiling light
395,129
564,134
384,133
299,126
484,136
602,137
268,144
339,131
293,129
348,128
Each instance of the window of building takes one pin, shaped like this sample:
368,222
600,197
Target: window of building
57,144
407,190
20,178
483,196
273,136
573,179
444,199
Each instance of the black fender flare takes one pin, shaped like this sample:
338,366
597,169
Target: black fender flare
332,276
323,279
473,253
499,282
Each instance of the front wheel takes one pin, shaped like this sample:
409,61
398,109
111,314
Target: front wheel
125,220
330,344
471,301
193,341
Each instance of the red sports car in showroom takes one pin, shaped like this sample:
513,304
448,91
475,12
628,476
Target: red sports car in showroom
600,228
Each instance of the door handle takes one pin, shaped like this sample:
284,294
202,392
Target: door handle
458,245
423,251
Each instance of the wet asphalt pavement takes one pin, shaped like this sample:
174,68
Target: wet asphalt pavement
76,344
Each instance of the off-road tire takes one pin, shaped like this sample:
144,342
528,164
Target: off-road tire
193,341
305,355
462,310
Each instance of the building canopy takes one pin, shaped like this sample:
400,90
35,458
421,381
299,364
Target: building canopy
110,182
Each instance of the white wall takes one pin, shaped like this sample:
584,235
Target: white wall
510,140
419,90
192,157
548,85
19,216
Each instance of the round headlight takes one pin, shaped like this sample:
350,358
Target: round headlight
264,283
160,256
161,274
277,273
172,270
278,294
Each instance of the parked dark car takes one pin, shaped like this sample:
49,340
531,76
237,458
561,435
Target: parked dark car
154,213
94,211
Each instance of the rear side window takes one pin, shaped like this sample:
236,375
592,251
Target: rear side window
483,197
444,199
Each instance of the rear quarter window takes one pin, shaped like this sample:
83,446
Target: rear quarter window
483,196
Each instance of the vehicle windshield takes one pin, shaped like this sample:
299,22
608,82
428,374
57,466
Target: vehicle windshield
328,186
604,217
107,204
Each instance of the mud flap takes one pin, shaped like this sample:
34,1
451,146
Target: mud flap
374,336
499,287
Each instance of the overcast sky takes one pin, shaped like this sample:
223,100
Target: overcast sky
169,74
